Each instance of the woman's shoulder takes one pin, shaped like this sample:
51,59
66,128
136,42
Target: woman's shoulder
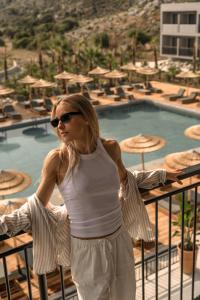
52,159
112,147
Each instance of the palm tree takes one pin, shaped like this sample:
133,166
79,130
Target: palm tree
5,64
133,34
154,43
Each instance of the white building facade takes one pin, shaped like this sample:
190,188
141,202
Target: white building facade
180,30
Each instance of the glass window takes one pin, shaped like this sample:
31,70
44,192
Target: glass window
188,18
170,18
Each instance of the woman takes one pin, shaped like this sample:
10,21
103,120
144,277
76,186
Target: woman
89,171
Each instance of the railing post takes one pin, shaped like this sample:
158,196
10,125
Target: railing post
42,281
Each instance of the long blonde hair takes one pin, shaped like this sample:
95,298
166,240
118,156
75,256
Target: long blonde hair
84,106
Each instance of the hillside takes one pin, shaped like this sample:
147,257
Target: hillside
29,23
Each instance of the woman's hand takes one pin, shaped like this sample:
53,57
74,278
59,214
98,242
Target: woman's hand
174,176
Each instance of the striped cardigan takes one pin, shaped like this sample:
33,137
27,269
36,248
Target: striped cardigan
50,226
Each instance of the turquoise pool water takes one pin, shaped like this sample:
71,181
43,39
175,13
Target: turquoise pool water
26,148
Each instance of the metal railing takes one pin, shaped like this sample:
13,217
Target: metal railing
149,265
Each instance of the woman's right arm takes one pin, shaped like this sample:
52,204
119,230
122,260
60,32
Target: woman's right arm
49,176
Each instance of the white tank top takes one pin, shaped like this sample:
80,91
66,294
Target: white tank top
90,194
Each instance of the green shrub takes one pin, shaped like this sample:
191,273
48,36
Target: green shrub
23,42
46,18
102,40
67,25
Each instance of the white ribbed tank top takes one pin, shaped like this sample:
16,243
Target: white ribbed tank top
90,194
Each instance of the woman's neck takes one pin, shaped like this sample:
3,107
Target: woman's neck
85,148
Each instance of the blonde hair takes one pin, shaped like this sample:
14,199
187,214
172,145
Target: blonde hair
84,106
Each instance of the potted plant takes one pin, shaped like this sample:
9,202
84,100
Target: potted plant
188,228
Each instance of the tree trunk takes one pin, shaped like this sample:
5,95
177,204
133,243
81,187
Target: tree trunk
5,65
155,57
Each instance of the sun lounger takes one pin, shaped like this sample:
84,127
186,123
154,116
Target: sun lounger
144,91
174,97
2,117
48,104
190,99
110,94
153,89
36,107
137,86
22,100
40,102
98,92
131,98
10,112
121,93
87,95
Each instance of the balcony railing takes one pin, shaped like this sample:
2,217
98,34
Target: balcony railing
169,50
149,266
185,51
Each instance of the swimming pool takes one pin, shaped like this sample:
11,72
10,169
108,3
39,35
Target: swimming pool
25,148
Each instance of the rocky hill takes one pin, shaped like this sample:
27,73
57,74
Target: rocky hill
78,20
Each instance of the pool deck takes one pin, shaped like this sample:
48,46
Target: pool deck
29,116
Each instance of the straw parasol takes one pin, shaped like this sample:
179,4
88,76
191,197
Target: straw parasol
116,75
188,75
193,132
66,76
5,92
142,144
130,67
12,181
147,71
181,160
43,84
81,79
28,80
98,71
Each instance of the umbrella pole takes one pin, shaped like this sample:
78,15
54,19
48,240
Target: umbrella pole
142,158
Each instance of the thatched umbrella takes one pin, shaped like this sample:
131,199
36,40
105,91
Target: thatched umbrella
130,67
188,75
81,79
12,181
98,72
28,81
193,132
147,71
181,160
65,76
5,92
115,75
142,144
43,84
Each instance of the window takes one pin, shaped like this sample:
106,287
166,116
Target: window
188,18
170,18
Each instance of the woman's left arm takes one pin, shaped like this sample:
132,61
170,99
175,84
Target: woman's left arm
113,149
145,179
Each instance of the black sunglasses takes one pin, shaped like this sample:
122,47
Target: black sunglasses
65,118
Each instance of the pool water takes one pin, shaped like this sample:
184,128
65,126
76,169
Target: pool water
25,149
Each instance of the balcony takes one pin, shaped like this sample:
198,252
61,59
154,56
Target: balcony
169,50
185,51
159,270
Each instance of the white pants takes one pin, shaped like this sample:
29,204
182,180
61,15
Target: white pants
103,269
